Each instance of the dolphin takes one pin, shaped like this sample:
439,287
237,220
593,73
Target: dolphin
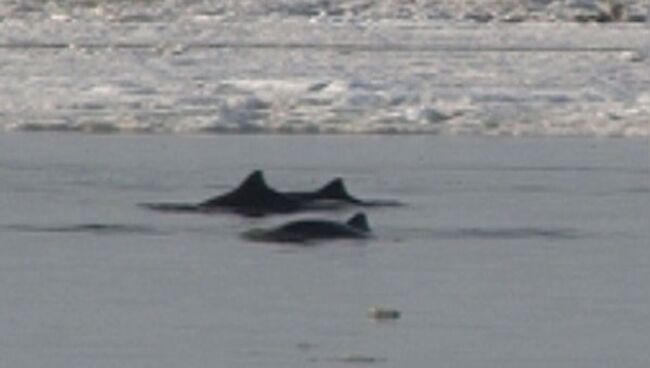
253,197
308,230
334,193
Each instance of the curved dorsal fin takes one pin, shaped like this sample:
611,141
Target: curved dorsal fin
335,189
251,187
254,181
252,191
359,221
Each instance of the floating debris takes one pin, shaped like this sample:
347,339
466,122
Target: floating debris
633,56
381,313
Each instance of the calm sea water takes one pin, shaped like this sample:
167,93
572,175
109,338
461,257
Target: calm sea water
509,253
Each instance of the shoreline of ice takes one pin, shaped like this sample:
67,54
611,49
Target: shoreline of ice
209,74
484,11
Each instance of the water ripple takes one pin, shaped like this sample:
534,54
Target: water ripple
515,233
89,228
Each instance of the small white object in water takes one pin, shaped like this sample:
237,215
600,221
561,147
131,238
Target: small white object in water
381,313
60,17
633,56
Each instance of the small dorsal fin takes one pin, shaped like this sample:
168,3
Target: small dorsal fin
253,180
335,189
251,187
359,221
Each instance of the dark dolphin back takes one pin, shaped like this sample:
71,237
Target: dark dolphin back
306,230
254,194
250,187
335,190
359,222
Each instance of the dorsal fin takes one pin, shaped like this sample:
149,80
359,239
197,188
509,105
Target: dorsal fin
254,181
251,187
335,189
359,221
253,192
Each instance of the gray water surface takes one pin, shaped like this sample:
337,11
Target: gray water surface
509,253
